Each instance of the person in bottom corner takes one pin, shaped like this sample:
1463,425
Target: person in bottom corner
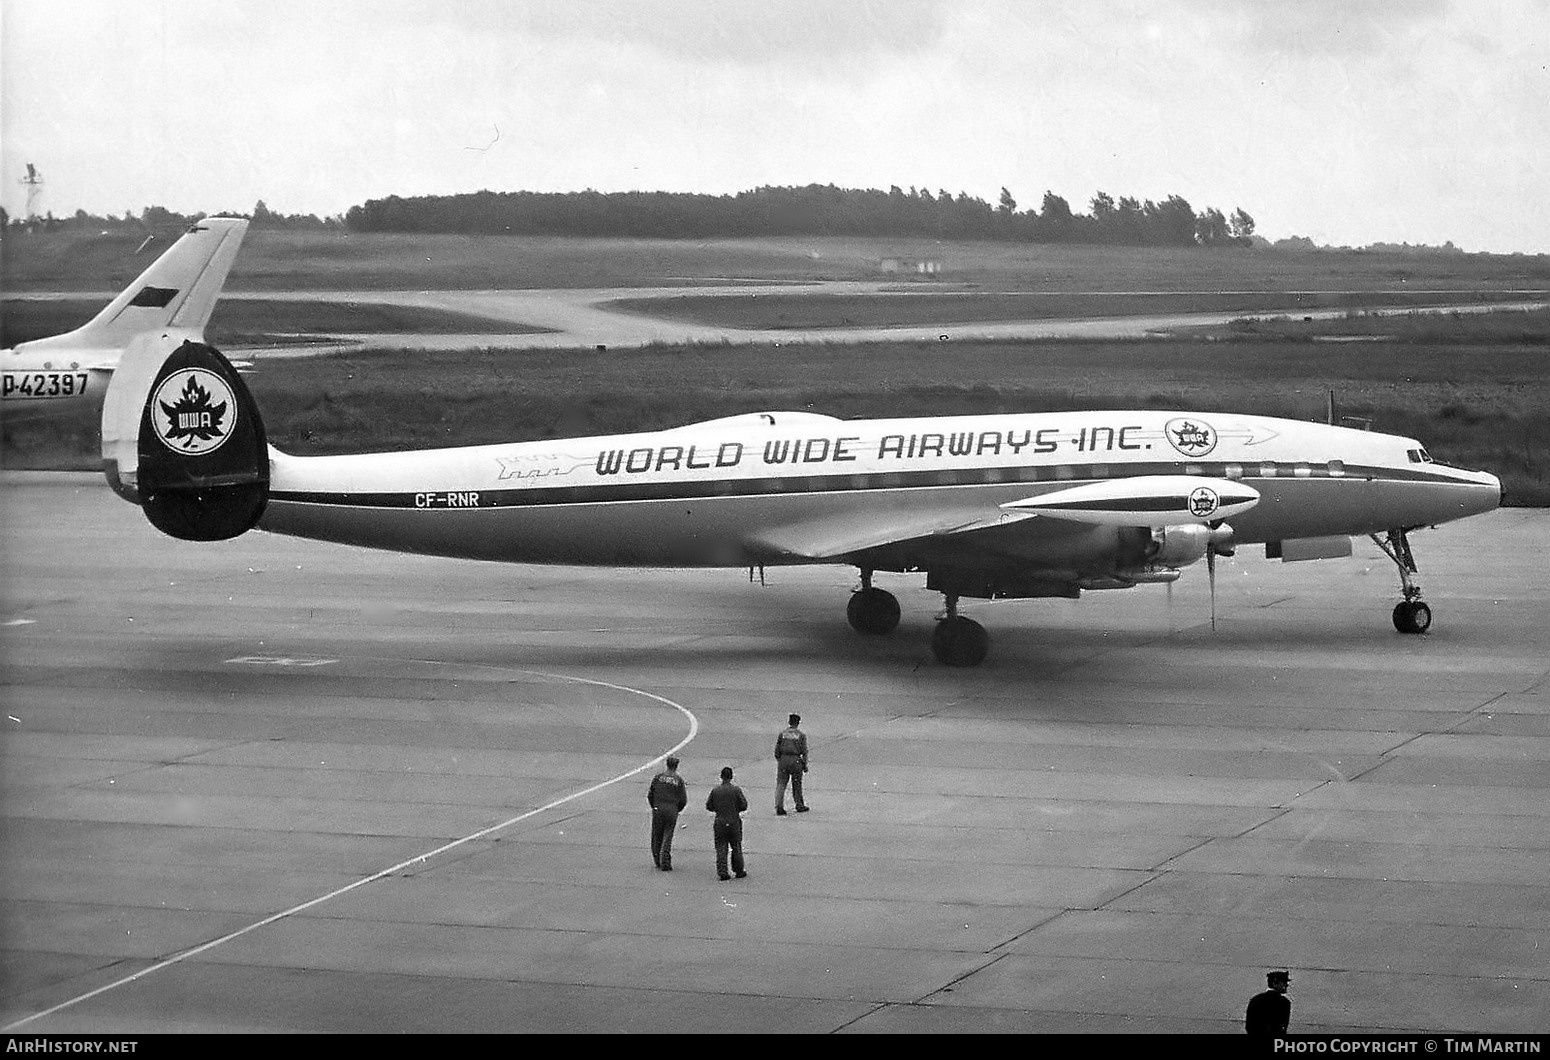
727,802
1270,1010
667,796
790,764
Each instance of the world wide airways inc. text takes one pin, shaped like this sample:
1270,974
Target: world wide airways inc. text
850,448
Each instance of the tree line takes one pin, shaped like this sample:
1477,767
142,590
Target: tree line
161,219
813,210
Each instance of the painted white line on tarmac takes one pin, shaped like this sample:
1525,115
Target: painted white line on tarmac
418,859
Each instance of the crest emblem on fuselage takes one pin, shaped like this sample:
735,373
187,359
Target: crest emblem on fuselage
1190,436
1203,502
193,411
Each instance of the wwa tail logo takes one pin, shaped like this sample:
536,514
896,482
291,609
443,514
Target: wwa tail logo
194,412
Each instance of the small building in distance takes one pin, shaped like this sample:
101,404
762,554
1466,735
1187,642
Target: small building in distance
929,267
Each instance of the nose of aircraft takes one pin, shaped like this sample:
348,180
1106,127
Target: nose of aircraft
1481,493
1492,493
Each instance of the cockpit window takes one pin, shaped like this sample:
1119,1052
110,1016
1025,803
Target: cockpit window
1420,456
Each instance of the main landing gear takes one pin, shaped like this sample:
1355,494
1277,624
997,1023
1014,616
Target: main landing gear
1411,615
872,611
957,641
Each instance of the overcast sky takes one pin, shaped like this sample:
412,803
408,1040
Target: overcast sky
1348,121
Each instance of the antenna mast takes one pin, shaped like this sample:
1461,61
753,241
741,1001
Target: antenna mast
34,184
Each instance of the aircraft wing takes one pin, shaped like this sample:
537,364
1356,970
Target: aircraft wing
830,537
1145,501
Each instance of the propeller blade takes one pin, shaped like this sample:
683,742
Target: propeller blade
1211,577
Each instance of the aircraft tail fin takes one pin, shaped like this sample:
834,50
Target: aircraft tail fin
182,438
176,294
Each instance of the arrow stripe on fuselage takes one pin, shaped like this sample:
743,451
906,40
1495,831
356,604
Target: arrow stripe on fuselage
625,491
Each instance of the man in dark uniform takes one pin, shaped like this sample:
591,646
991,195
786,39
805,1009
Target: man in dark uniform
667,795
1270,1010
790,764
727,802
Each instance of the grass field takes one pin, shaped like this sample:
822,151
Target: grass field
321,261
804,311
252,321
274,322
1485,405
1474,388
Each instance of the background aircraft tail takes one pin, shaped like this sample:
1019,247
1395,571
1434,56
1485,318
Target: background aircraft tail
182,438
176,295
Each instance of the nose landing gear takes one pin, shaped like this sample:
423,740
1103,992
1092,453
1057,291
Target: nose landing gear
1411,615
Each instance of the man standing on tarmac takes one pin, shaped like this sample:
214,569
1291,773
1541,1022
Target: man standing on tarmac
790,764
668,795
727,802
1270,1010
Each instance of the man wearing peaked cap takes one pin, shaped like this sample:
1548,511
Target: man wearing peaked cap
1270,1010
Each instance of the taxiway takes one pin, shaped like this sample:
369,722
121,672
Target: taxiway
277,785
576,318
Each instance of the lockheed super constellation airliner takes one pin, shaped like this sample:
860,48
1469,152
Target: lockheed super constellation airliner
997,506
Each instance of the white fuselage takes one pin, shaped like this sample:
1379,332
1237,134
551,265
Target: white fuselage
750,491
52,380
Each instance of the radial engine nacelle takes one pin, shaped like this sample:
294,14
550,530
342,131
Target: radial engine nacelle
1147,500
1182,544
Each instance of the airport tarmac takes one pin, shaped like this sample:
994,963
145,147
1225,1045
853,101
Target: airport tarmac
572,318
271,785
575,318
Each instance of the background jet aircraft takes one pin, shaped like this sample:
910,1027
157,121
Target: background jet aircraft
172,299
985,506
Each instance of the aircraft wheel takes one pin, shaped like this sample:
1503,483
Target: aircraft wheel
1412,616
873,611
960,641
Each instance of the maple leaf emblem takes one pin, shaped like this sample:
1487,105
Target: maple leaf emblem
193,418
1202,502
1192,437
